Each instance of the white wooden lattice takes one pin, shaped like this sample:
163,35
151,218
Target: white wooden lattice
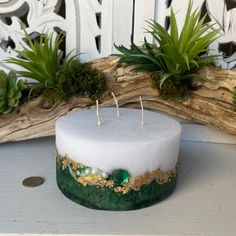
93,26
38,16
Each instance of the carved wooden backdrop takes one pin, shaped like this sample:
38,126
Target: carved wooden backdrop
37,16
93,26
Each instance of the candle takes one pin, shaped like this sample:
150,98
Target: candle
120,142
119,155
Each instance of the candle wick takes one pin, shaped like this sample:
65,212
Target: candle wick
117,105
141,103
98,117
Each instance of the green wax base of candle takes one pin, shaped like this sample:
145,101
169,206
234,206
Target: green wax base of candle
106,199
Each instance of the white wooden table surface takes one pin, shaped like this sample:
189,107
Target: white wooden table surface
204,202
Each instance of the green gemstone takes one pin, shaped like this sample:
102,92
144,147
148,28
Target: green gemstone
84,171
120,177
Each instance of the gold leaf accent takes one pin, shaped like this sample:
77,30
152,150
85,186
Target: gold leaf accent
135,183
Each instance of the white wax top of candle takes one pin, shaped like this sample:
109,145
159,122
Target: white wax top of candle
120,142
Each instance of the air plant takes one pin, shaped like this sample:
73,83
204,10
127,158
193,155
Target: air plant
41,61
176,56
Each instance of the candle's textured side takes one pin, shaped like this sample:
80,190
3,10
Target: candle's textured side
99,193
119,165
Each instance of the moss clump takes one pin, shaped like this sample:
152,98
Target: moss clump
171,90
78,79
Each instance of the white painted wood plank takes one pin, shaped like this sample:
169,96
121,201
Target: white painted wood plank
106,28
203,203
122,23
195,132
72,29
144,10
201,133
88,29
161,12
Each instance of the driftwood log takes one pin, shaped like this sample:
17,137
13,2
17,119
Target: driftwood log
211,104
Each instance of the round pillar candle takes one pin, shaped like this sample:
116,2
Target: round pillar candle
119,164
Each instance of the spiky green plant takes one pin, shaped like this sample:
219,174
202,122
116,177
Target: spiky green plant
10,91
176,56
59,78
41,61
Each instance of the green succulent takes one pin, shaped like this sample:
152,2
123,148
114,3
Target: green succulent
41,61
176,55
10,91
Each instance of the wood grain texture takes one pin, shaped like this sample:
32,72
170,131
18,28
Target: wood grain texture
210,104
